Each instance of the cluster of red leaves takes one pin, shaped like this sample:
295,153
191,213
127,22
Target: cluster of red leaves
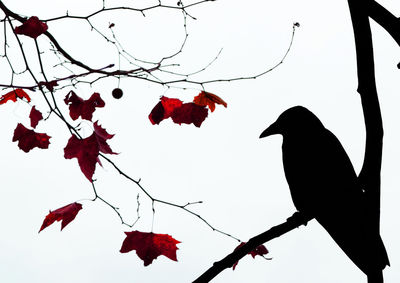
180,112
32,27
13,95
261,250
84,108
85,150
65,214
149,246
188,113
29,139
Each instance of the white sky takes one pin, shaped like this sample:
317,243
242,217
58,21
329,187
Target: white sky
239,177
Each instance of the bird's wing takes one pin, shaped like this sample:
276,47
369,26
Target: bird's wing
344,213
318,171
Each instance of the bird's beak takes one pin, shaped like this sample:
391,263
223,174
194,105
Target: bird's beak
271,130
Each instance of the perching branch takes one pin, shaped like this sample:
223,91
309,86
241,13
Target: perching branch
228,261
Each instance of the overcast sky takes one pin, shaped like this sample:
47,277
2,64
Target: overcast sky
238,177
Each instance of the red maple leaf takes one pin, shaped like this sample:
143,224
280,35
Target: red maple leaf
29,139
261,250
65,214
32,27
190,113
49,85
102,136
149,246
164,109
208,99
84,108
157,114
170,104
86,151
35,117
13,95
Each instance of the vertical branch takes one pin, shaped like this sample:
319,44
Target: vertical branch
370,172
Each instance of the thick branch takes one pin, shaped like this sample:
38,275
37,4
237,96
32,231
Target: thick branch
385,19
228,261
370,172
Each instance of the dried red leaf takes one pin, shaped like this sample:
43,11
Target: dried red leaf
157,114
86,151
164,109
170,104
49,85
208,99
13,95
65,214
190,113
102,136
149,246
35,117
261,250
84,108
29,139
32,27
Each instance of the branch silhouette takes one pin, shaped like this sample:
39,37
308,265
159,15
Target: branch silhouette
370,173
149,71
44,78
292,222
385,19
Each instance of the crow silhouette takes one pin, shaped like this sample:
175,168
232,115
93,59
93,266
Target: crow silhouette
323,185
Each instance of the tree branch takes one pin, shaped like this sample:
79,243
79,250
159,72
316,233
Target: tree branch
370,172
143,70
292,222
385,19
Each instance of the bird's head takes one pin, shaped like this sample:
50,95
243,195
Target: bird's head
297,120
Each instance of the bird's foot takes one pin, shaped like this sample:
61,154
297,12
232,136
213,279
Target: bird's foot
299,218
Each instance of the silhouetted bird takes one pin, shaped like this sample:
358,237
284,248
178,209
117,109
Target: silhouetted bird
323,184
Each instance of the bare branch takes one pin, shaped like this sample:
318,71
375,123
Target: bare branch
140,69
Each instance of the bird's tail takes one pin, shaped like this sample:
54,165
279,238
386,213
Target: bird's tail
375,277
